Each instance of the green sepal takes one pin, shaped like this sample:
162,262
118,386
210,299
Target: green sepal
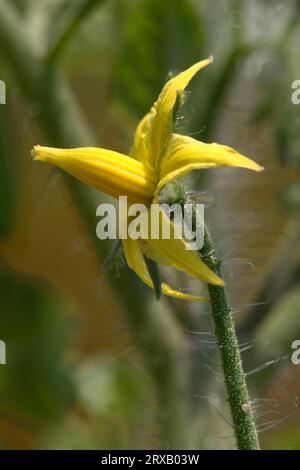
180,99
155,276
115,258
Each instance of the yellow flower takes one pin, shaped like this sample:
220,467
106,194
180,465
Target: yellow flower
158,156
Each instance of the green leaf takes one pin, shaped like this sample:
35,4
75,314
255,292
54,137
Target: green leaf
34,381
116,404
8,172
282,325
20,5
155,276
70,17
290,198
157,37
274,337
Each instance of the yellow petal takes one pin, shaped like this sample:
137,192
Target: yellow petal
155,128
135,260
173,252
108,171
185,154
142,149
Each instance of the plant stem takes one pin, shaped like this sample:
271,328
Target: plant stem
72,19
235,382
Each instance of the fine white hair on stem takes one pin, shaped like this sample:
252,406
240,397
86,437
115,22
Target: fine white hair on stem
206,341
203,337
213,361
242,307
191,134
215,374
211,403
251,344
199,332
258,415
201,197
273,423
265,365
240,262
215,407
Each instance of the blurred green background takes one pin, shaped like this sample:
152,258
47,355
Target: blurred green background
93,361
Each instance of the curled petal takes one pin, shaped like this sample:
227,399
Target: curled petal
108,171
185,154
173,251
135,260
155,128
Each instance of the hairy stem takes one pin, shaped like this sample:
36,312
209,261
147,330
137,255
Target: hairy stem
235,381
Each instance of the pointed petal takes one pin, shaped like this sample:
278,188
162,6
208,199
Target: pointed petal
173,252
141,149
155,128
185,154
108,171
135,260
163,122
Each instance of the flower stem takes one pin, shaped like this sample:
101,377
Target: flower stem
235,382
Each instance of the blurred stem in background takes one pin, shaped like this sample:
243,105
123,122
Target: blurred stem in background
153,326
69,19
284,265
8,174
